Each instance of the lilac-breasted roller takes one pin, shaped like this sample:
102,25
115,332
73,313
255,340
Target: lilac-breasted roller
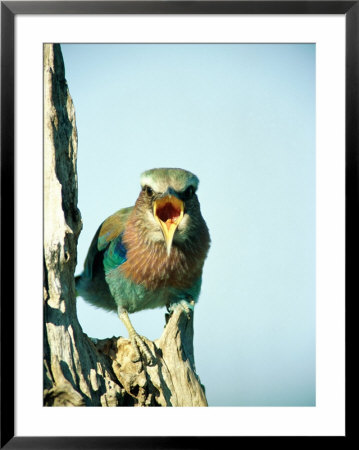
149,255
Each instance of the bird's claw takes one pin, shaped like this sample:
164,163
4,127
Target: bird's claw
186,305
138,342
140,348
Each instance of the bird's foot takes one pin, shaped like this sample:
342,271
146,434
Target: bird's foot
138,342
186,305
141,349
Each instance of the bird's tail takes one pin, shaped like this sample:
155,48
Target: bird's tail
77,282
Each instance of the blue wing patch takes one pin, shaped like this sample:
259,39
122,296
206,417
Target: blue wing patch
115,255
120,248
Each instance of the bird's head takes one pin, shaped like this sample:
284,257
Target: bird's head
169,205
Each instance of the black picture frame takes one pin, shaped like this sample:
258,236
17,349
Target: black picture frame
9,9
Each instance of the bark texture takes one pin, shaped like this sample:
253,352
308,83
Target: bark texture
79,371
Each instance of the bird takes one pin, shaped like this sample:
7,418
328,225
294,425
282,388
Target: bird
149,255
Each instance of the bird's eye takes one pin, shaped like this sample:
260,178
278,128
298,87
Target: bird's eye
188,193
148,191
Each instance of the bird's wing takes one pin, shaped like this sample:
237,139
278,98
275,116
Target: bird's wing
108,236
112,227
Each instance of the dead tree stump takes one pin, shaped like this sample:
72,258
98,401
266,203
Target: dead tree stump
79,371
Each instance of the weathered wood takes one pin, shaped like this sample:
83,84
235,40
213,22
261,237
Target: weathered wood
74,373
79,371
171,380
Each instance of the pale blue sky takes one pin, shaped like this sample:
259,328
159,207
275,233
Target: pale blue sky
242,118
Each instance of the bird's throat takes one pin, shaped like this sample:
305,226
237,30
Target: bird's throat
169,212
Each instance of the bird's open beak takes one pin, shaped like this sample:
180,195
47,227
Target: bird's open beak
169,213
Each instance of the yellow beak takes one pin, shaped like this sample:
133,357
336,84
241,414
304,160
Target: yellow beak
169,213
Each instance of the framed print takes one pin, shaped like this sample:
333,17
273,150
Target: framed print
236,124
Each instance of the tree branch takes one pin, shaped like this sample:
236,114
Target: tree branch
79,371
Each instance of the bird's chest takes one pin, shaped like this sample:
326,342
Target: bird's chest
154,269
